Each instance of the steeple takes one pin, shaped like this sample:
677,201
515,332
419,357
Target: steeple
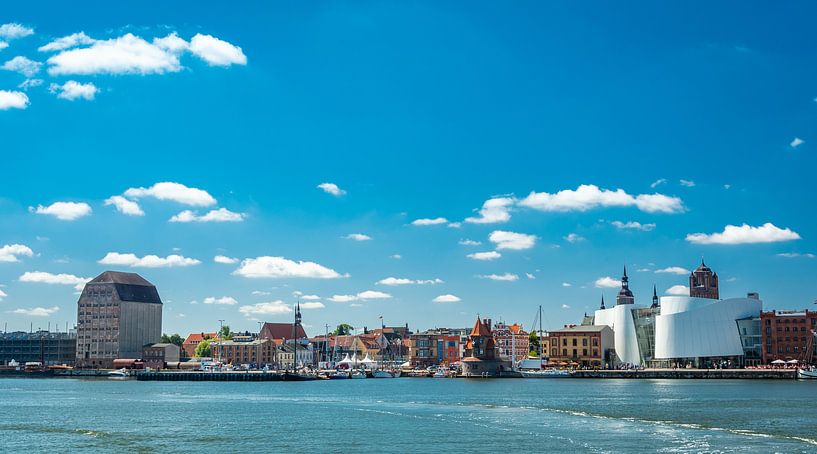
602,302
654,297
625,296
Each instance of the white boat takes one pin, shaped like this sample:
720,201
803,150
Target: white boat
382,373
358,374
119,374
441,373
339,375
806,374
548,373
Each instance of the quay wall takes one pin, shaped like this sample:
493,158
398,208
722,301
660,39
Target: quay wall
761,374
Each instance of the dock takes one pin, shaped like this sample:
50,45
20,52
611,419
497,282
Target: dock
740,374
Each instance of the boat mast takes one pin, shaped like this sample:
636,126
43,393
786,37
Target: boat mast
541,360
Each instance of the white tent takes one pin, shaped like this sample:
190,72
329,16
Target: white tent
367,360
346,360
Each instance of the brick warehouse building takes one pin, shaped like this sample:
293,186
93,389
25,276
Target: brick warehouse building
788,335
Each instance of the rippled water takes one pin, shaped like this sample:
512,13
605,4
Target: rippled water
409,415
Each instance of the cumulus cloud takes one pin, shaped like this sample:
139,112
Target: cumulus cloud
36,311
268,308
72,90
223,301
396,256
148,261
745,234
796,142
22,65
574,238
607,282
789,255
565,306
67,42
3,45
58,279
687,183
260,293
13,252
448,298
567,284
633,225
588,196
13,31
125,206
507,277
358,237
216,52
467,242
2,295
312,305
493,211
489,255
342,298
429,221
172,43
219,215
30,83
530,276
679,290
175,192
64,211
512,240
225,260
674,270
280,267
405,281
13,100
331,188
128,54
365,295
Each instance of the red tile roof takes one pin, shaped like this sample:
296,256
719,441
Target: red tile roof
280,331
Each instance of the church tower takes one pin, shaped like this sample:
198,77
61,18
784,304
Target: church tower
625,296
703,283
602,303
655,302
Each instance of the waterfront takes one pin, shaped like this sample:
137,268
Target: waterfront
410,415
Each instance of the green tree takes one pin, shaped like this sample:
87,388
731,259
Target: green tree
534,343
344,329
225,333
173,339
203,349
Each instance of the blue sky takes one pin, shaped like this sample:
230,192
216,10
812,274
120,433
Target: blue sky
414,111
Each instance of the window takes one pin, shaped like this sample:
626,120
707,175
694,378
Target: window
584,342
575,341
584,352
564,352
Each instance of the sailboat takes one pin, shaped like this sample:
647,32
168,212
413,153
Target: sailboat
542,372
808,372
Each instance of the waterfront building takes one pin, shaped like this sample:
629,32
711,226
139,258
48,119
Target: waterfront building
193,340
583,345
512,342
257,352
117,314
436,346
285,355
46,347
281,331
156,356
481,358
789,335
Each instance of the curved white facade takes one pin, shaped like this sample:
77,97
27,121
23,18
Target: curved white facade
700,327
620,319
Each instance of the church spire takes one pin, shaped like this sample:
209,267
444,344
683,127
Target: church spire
602,302
654,297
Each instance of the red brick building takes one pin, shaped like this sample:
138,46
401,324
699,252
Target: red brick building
189,345
511,341
788,335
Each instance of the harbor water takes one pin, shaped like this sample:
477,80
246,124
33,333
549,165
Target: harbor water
409,415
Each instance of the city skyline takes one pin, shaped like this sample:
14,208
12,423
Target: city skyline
246,162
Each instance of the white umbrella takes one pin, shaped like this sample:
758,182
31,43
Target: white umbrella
778,361
793,361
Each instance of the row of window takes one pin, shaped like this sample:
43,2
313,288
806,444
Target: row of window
555,352
575,341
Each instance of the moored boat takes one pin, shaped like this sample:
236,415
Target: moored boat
547,373
119,374
357,373
382,373
440,373
807,374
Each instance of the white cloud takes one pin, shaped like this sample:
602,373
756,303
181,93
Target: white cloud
454,225
13,100
23,66
67,42
128,54
148,261
30,83
507,277
373,294
223,301
355,305
3,45
312,305
260,293
674,270
427,221
405,281
219,215
588,196
467,242
342,298
59,279
175,192
13,31
512,240
300,295
607,282
574,238
565,306
64,211
2,295
490,255
567,284
679,290
72,90
727,186
225,260
280,267
493,211
396,256
268,308
172,43
658,182
358,237
687,183
789,255
331,188
448,298
530,276
797,142
12,252
125,206
37,311
633,225
216,52
745,234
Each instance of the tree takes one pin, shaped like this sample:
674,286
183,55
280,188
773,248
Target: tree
203,349
174,339
225,333
534,343
344,329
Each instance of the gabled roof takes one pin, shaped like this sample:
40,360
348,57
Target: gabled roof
120,277
480,329
280,331
198,337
